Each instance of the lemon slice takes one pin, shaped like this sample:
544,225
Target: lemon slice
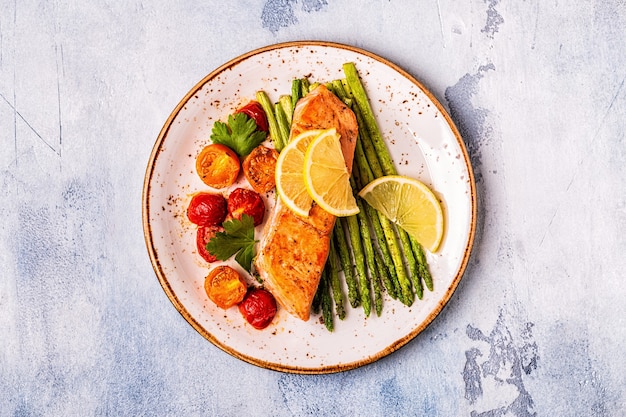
289,173
410,204
326,176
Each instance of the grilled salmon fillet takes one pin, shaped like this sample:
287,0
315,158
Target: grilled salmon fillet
294,249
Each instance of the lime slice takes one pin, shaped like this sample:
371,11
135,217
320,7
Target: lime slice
326,176
289,178
410,204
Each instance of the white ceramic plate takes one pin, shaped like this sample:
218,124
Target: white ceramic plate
424,144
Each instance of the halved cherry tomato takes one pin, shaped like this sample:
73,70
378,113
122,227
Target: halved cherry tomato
207,209
254,111
217,165
225,287
243,201
258,307
259,168
203,236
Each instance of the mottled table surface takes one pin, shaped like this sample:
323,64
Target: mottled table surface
537,325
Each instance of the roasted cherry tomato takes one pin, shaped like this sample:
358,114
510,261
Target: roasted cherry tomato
243,201
254,111
225,287
258,307
217,165
203,236
259,168
206,209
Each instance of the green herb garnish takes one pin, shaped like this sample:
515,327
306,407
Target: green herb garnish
240,133
237,238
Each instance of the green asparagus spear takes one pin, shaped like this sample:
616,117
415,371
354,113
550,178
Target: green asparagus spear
385,277
377,285
339,89
346,262
285,102
305,84
370,258
316,305
359,261
368,250
335,283
326,300
283,124
296,92
411,262
358,91
423,263
368,150
268,107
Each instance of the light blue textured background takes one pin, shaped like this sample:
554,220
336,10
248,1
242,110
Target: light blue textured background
537,326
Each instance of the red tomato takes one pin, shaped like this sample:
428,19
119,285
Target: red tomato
258,307
203,236
254,111
206,209
243,201
217,165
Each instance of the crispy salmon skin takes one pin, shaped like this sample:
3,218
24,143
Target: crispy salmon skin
294,249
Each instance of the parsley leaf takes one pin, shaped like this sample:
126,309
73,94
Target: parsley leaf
237,238
240,134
